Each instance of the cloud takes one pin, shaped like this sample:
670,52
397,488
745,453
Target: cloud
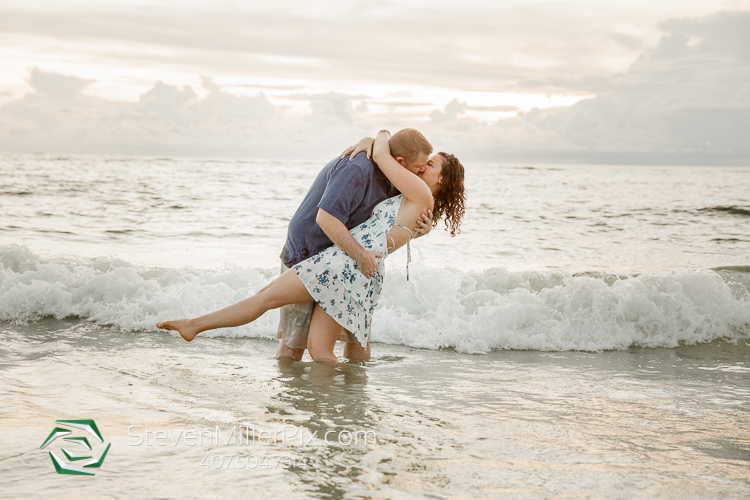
165,99
167,120
477,45
684,100
54,85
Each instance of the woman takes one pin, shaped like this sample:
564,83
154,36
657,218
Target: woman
331,278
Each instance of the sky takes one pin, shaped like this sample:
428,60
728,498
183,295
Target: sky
623,82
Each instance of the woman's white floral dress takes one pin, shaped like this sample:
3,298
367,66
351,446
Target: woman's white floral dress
335,281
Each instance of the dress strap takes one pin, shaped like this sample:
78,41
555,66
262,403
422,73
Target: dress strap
408,249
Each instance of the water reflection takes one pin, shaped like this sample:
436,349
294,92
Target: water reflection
334,400
545,424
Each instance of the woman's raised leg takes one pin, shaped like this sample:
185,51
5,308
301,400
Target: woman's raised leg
286,289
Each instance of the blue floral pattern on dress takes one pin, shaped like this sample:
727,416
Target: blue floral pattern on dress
335,281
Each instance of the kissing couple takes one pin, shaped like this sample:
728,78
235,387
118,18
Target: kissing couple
363,206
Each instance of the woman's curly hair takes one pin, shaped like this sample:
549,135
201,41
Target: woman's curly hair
450,200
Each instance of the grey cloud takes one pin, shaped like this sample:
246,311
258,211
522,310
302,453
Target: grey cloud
725,32
56,86
627,41
335,107
468,46
686,100
166,99
448,116
171,120
683,102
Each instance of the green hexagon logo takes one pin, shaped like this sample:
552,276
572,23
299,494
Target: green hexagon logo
74,444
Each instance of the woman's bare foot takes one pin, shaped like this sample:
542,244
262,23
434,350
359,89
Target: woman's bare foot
184,326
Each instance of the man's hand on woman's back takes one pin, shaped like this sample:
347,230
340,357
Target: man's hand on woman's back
367,261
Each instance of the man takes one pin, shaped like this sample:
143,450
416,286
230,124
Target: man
342,196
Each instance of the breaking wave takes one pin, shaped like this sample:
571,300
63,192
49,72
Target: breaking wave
471,311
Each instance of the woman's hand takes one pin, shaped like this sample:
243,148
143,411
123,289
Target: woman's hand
364,145
424,225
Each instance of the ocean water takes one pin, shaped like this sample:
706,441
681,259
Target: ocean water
587,334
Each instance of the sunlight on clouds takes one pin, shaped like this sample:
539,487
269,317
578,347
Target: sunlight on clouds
551,79
519,101
300,62
333,47
110,78
417,103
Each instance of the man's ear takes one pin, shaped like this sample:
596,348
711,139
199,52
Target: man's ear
401,161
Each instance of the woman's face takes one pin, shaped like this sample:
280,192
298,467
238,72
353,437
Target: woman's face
432,172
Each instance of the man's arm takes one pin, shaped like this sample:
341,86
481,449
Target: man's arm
341,237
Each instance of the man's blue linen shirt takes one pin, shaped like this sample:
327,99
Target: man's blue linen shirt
347,189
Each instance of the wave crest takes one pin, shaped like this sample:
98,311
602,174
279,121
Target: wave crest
470,311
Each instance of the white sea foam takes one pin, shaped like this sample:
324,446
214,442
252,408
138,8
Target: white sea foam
439,307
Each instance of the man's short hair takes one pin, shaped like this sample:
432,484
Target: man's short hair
409,144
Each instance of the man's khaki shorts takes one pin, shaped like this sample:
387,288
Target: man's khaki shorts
294,327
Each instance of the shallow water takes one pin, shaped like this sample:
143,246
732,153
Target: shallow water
587,335
205,213
637,423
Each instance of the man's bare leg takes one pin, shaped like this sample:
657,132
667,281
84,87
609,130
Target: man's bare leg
285,352
355,352
286,289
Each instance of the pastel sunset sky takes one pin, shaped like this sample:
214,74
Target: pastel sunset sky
630,82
